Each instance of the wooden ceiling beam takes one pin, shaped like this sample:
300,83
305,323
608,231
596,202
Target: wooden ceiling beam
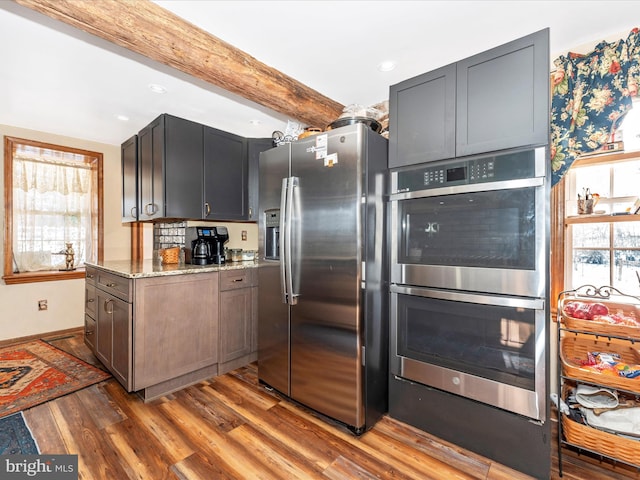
148,29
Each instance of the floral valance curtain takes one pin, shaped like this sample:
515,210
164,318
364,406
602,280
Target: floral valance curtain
591,95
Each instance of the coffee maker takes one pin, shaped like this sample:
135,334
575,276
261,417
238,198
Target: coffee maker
205,245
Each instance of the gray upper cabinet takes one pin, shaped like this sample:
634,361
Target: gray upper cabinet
422,118
492,101
225,176
255,146
170,169
503,96
129,157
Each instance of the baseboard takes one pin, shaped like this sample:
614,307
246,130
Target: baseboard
43,336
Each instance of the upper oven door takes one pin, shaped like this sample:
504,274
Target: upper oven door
488,237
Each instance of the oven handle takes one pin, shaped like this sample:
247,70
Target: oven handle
470,297
476,187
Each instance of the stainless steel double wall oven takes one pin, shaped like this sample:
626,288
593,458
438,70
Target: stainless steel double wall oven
469,285
468,275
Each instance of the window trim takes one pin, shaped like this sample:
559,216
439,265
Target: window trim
560,221
10,277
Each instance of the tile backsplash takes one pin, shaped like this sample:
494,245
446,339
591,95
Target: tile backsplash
167,235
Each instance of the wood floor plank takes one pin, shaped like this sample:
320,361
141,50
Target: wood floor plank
279,457
149,462
343,468
200,467
239,460
102,411
155,422
83,438
45,430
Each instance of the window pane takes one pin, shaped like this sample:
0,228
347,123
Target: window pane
591,235
627,267
626,234
594,178
626,179
590,267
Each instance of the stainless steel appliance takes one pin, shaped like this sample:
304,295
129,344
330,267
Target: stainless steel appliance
323,302
469,341
205,245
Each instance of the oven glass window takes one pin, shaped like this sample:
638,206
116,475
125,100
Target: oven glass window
491,229
488,341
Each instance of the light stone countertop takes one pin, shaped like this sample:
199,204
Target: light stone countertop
149,268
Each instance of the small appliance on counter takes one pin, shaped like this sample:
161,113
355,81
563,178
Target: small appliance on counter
205,245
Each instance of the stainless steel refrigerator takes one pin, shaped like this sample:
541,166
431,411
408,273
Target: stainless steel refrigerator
323,308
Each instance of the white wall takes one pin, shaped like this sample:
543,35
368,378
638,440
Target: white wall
19,315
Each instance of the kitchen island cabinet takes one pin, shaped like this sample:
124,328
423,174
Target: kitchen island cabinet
492,101
159,328
238,319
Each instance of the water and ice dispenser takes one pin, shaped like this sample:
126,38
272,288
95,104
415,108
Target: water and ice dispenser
272,234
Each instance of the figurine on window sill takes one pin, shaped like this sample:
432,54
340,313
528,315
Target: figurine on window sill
68,256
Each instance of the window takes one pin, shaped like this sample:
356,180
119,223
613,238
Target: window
603,248
53,197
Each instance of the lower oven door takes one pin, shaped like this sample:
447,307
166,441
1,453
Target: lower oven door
488,348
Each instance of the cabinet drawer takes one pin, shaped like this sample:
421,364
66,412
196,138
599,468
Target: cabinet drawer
90,299
90,275
117,286
90,333
233,279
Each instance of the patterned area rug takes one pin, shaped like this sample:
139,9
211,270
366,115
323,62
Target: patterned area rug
36,372
15,436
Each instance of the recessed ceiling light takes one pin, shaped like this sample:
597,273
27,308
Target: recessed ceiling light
255,122
155,88
386,66
122,118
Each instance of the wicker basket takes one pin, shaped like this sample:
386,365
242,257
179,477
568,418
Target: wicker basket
170,255
574,349
604,328
600,441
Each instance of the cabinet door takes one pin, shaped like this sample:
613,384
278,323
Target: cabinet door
503,96
254,147
235,324
104,329
113,336
225,175
422,118
150,165
129,158
183,168
176,326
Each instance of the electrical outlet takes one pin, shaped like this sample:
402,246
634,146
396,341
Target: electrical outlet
244,235
42,305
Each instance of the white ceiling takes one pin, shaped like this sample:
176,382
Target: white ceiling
57,79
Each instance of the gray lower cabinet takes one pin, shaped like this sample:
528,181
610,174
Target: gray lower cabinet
156,334
492,101
238,318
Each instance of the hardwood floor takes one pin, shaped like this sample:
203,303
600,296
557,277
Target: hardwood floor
230,427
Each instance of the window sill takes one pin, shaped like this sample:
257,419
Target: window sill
596,218
48,276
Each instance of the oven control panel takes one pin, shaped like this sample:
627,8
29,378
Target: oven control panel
506,166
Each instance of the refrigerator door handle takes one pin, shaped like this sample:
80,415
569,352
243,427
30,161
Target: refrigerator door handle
283,240
290,220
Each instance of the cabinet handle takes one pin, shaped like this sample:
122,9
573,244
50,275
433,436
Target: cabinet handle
111,285
207,209
91,300
106,304
131,212
250,212
89,275
153,209
235,280
88,332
